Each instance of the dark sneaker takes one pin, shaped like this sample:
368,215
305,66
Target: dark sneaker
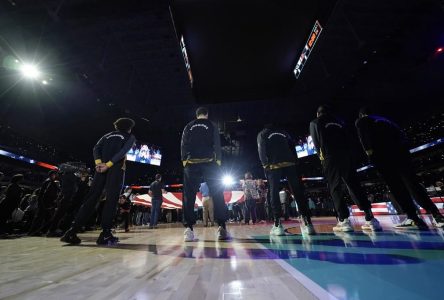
107,238
409,224
70,237
438,222
222,234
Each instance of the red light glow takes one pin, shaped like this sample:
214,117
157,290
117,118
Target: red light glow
439,50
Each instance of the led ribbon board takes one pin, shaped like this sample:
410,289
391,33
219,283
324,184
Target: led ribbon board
27,159
428,145
313,38
185,58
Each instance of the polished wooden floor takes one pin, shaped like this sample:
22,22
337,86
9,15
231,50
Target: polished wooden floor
147,264
157,264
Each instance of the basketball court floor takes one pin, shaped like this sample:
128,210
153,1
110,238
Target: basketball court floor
157,264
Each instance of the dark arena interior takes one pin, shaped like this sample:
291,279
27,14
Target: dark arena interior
221,149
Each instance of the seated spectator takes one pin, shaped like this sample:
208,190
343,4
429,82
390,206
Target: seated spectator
46,204
11,201
30,210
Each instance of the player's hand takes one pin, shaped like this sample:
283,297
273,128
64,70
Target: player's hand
102,168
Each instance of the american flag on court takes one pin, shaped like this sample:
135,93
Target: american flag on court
439,202
174,200
387,208
382,208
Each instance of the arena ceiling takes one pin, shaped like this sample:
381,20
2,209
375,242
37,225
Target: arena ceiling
113,58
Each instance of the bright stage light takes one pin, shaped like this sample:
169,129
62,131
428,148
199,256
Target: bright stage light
44,82
228,180
30,71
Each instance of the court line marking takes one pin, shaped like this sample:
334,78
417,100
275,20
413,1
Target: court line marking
310,285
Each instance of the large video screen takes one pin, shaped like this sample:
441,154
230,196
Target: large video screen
145,153
305,147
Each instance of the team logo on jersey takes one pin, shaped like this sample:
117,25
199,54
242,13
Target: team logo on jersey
277,133
199,125
333,124
115,135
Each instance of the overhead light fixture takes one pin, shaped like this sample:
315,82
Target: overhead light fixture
30,71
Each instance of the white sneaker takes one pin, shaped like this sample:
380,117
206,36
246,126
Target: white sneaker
372,225
409,224
188,235
438,222
344,226
222,234
307,229
277,230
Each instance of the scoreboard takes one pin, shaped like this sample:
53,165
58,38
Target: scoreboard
187,61
312,39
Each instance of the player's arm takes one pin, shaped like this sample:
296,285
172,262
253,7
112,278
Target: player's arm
315,136
150,192
122,152
363,128
184,145
216,145
401,135
262,149
291,143
97,150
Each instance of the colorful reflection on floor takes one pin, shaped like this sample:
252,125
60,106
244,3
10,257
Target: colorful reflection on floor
390,265
358,266
387,264
347,265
